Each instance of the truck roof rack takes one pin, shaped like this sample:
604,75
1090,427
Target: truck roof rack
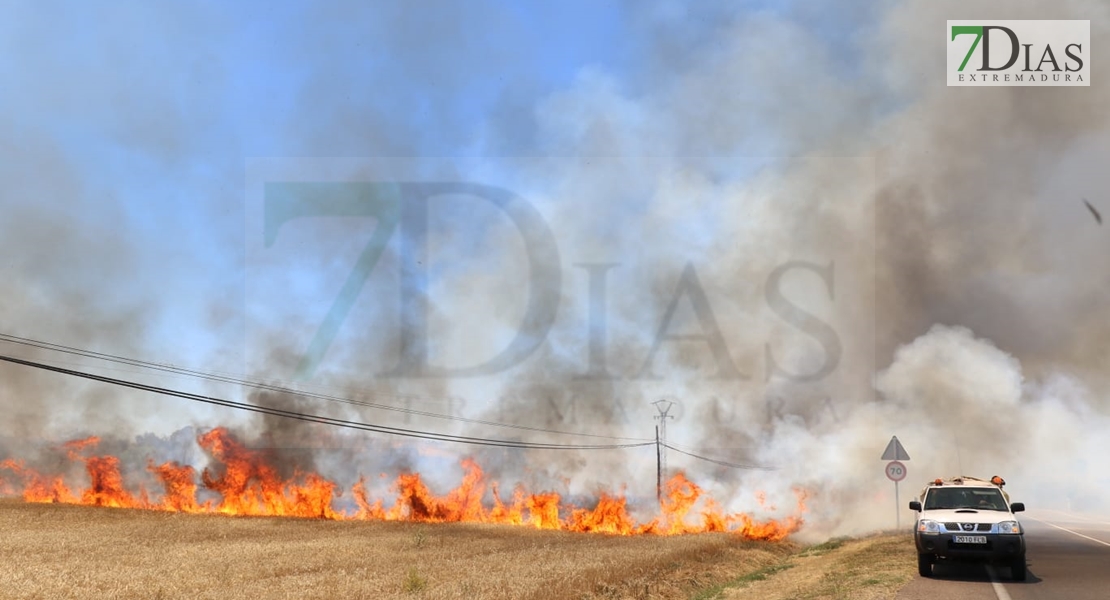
964,479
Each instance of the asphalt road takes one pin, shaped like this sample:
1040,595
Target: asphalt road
1068,556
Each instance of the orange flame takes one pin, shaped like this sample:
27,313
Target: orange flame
249,484
180,486
106,487
39,488
609,516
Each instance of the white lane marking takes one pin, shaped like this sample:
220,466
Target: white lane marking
1087,537
1076,516
999,591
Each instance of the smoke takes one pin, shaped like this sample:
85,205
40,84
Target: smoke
65,282
968,216
781,220
959,405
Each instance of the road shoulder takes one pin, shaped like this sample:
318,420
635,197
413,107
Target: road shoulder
868,568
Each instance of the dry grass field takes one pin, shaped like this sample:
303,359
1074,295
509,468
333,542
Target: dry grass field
53,551
870,568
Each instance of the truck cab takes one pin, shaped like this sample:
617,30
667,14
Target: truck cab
965,518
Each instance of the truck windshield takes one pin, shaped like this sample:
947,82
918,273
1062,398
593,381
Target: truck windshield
955,498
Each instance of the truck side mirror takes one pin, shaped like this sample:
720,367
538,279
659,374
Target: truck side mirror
915,505
1017,506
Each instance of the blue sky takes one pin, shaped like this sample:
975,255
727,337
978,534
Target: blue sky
728,138
127,130
151,112
656,135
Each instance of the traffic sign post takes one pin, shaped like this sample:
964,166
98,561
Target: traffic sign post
896,471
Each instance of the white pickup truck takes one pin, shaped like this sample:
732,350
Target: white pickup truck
965,518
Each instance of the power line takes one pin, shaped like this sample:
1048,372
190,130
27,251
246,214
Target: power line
169,368
721,462
710,449
308,417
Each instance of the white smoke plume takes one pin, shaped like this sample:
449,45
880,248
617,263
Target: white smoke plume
938,233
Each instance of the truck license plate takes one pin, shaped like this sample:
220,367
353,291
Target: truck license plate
970,539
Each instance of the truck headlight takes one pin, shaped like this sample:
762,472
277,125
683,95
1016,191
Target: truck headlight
1009,527
928,527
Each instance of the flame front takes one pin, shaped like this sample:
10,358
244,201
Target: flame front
249,484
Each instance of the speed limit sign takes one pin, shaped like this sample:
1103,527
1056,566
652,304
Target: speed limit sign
895,471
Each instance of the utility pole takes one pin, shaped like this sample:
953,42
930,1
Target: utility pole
663,406
658,468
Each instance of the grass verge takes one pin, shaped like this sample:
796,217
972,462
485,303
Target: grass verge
869,568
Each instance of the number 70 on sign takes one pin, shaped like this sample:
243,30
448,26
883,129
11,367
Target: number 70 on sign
895,471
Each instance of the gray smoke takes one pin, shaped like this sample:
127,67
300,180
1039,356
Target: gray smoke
806,240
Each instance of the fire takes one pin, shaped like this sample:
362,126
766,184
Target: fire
247,483
106,487
609,516
180,487
39,488
250,485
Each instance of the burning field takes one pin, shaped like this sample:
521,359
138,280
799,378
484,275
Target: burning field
307,537
244,482
65,551
453,292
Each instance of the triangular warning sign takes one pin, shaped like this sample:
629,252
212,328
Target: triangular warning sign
895,451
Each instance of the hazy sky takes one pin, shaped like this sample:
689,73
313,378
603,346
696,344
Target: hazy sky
128,131
699,201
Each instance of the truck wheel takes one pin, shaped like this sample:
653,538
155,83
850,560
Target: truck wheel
925,565
1017,569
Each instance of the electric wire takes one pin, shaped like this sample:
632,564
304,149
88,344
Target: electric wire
169,368
723,463
309,417
312,418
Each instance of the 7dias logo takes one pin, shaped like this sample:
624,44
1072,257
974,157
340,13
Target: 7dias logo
1028,53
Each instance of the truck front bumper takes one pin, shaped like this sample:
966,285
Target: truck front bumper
999,547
